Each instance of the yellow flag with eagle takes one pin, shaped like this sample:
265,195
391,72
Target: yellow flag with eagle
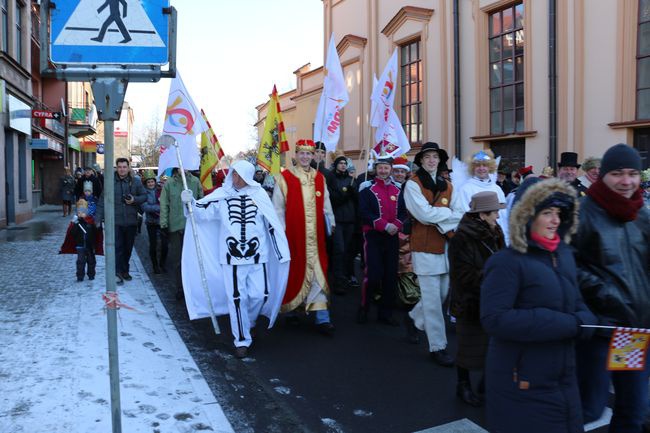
274,139
211,154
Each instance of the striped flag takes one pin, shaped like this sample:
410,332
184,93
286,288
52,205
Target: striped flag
274,139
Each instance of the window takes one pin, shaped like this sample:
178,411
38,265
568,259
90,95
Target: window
643,62
512,152
642,144
19,32
5,26
411,87
506,52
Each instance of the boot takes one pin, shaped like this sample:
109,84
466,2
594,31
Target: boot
154,262
465,393
411,331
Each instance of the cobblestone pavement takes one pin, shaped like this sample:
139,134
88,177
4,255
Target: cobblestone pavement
54,356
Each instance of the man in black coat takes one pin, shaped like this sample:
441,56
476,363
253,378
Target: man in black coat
613,253
343,197
88,176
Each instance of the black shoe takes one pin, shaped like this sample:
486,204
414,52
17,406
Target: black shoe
241,352
465,393
126,276
412,335
91,278
390,321
326,329
362,316
180,294
441,357
80,279
352,282
292,320
118,280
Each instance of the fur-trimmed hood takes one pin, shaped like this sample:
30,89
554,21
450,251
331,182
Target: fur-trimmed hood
523,212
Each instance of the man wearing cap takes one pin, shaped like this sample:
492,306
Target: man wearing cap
301,199
591,168
320,159
435,211
568,171
343,197
382,220
245,253
612,253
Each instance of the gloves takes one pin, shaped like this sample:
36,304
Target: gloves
186,196
75,219
391,229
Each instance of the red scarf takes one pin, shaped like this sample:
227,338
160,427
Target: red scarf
617,206
546,243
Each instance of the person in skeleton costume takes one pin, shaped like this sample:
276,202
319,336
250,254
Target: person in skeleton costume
245,252
302,202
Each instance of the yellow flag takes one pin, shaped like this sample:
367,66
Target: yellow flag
274,139
211,153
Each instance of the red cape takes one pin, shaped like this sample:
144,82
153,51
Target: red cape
70,246
295,230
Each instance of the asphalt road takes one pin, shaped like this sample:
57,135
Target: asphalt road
366,378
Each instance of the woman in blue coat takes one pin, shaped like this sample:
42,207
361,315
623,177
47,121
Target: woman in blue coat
532,310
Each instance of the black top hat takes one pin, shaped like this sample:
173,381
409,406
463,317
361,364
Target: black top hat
568,159
320,145
442,153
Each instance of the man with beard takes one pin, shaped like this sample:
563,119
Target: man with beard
568,171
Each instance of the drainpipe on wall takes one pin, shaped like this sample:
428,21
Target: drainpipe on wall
552,81
457,130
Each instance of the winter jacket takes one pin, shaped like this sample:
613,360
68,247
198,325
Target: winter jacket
532,309
379,206
125,214
83,233
151,207
614,265
469,249
67,188
343,196
172,215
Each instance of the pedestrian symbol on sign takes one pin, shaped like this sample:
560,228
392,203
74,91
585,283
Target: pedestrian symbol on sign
113,17
88,25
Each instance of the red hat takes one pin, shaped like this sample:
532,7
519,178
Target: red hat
401,162
525,171
305,145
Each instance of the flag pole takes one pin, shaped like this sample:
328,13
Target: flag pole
190,210
370,142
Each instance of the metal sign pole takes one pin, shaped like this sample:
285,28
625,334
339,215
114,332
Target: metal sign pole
109,218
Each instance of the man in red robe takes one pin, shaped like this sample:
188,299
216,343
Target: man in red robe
302,202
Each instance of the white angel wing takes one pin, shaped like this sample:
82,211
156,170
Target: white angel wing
458,174
493,176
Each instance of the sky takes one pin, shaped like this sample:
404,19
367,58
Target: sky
230,54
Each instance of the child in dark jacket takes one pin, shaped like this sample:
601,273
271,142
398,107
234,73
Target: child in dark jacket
83,233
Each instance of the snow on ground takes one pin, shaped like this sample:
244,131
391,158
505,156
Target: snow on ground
54,352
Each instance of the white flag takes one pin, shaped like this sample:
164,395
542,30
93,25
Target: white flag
327,125
183,122
390,137
383,94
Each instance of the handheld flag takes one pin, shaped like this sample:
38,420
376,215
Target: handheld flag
628,349
182,121
383,94
327,125
274,139
390,137
211,153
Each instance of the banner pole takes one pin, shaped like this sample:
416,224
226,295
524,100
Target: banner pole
190,210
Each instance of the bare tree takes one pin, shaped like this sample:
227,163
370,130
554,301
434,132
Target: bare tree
146,146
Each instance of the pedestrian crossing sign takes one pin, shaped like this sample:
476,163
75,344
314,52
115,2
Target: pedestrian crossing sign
122,32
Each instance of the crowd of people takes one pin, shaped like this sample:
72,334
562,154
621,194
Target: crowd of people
529,270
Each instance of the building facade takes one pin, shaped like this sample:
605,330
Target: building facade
528,79
16,104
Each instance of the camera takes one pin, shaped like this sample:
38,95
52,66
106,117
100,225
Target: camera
127,197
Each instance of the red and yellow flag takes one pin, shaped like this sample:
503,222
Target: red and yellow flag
211,154
628,349
274,139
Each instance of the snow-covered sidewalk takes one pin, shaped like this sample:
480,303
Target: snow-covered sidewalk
54,351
